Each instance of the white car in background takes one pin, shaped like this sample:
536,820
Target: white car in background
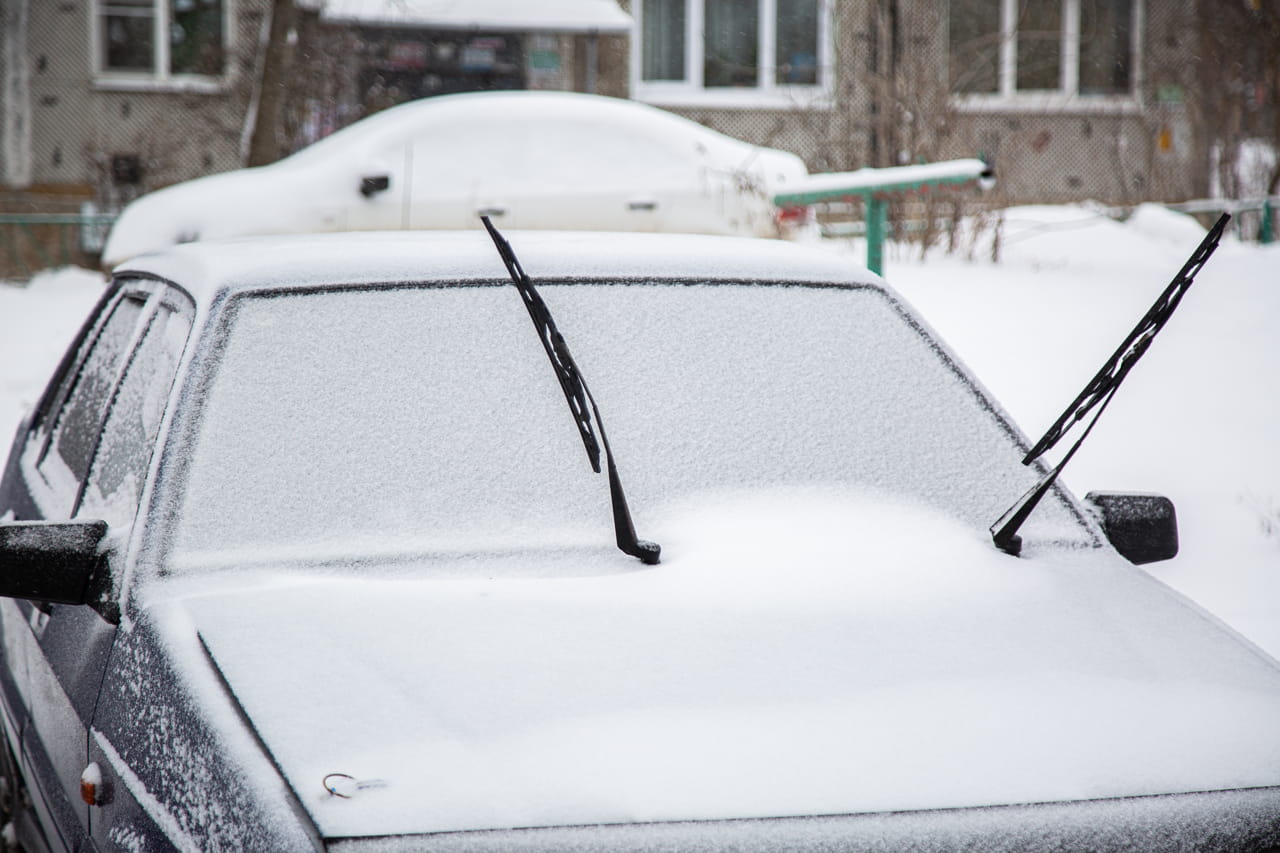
537,160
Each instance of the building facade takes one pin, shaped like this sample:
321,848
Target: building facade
360,56
105,98
1070,99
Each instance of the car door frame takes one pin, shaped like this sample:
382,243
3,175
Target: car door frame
56,654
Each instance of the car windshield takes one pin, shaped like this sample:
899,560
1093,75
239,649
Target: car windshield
427,419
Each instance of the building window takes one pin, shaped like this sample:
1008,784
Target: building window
161,39
732,51
1068,48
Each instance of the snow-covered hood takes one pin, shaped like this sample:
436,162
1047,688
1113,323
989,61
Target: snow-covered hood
772,665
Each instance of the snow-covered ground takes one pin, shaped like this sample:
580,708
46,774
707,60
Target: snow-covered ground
1197,419
36,324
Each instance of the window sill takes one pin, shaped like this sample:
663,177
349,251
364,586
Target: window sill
146,83
783,98
1027,102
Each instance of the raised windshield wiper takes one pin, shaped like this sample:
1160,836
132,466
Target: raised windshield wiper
1100,390
576,394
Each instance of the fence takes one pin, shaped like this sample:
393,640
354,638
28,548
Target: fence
30,242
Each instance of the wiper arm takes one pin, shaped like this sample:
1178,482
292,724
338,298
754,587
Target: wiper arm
578,396
1098,393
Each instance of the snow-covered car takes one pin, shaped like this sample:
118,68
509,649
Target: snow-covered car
300,552
544,160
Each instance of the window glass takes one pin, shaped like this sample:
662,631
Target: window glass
195,36
736,38
975,46
76,430
133,421
191,37
127,32
429,418
1104,45
797,48
663,56
1040,45
1106,38
731,50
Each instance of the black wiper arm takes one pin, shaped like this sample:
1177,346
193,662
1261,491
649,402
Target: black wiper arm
1098,393
578,396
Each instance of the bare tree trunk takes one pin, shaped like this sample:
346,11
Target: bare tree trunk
267,143
1271,57
15,98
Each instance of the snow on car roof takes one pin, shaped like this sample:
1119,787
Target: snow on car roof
306,260
414,117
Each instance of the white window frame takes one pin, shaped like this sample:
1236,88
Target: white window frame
1067,96
767,93
160,78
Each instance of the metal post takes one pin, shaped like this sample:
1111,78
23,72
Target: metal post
592,60
1266,230
876,222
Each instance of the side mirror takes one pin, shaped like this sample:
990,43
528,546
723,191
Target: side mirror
371,185
1142,527
53,561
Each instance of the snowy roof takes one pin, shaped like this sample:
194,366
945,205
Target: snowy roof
577,16
306,260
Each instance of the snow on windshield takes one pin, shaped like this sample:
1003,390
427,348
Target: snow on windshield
430,419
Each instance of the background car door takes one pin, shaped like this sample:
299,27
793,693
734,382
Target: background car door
86,456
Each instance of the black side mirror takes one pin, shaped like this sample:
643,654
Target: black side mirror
53,561
371,185
1143,528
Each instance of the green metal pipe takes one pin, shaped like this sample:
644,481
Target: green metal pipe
877,219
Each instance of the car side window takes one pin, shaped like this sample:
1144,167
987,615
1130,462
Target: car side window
128,436
78,421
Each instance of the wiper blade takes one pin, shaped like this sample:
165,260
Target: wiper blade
578,396
1098,393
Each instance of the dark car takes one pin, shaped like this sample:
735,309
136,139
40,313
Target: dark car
300,551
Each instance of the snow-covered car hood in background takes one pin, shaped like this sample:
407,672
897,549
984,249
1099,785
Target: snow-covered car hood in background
842,655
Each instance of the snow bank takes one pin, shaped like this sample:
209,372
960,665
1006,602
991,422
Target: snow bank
1160,225
37,322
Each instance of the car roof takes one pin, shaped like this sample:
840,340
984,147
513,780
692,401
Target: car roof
299,262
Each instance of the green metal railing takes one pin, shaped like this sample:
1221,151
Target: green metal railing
876,186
